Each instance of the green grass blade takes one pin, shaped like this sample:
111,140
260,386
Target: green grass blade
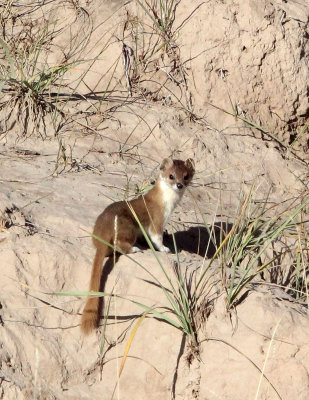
151,310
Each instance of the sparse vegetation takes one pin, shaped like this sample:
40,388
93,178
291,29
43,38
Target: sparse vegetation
243,252
250,245
57,82
26,79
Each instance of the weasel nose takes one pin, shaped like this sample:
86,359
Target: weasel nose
179,185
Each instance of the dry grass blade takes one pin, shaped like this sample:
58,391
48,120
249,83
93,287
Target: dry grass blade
128,345
265,362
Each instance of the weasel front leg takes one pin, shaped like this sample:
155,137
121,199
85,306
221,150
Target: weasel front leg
157,240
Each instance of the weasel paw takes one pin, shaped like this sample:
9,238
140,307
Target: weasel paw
165,249
136,250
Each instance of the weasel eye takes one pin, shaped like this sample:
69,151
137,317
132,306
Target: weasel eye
186,177
172,176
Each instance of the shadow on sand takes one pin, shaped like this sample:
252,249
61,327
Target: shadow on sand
197,239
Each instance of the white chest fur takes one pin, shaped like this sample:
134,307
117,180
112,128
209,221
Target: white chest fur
170,197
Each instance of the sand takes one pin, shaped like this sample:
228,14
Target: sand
178,102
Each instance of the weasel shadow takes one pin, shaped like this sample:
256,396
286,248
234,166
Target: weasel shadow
198,239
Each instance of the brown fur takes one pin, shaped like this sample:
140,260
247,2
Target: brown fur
152,210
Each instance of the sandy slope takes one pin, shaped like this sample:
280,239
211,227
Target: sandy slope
45,247
43,352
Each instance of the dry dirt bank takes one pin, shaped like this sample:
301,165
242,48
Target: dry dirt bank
105,145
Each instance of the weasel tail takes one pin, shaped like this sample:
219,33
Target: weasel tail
152,210
90,317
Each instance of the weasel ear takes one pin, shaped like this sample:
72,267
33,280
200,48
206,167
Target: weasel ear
166,163
189,163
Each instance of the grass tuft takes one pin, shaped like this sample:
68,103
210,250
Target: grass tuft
248,247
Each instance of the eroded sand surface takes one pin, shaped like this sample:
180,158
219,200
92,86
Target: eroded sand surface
249,56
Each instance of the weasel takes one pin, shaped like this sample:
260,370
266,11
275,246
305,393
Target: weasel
152,210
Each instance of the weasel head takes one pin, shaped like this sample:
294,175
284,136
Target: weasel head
177,174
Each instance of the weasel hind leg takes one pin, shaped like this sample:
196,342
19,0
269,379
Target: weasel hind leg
126,237
127,247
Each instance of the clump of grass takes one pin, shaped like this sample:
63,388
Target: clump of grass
151,38
158,72
162,14
26,79
245,253
40,96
